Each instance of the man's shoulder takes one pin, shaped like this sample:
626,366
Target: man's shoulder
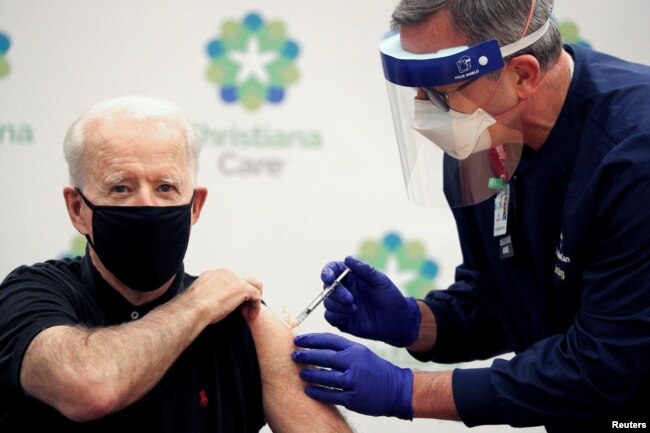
584,54
55,269
612,95
612,79
188,279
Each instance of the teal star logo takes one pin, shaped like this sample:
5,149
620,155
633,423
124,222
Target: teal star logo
405,262
252,62
5,44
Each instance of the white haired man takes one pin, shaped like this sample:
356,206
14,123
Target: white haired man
123,337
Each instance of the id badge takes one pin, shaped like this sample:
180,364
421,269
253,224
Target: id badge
501,211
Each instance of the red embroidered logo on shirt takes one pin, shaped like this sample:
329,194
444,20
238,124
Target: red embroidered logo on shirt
203,398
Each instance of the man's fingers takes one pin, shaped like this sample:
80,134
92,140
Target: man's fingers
253,282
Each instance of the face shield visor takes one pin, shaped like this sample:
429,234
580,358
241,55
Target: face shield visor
478,157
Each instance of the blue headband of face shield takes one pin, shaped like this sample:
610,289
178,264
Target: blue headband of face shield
437,69
447,66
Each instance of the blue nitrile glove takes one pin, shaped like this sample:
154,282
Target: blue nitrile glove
347,373
367,304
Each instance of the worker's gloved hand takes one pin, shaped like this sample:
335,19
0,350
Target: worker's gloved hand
367,304
349,374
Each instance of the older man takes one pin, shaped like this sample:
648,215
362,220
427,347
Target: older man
123,337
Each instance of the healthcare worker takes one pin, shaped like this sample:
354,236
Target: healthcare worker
547,171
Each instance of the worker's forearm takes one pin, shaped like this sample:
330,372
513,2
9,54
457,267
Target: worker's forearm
427,334
433,396
432,391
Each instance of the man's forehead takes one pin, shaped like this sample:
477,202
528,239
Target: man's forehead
121,138
432,35
113,160
121,126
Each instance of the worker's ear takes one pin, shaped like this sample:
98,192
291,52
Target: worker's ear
80,215
200,195
527,70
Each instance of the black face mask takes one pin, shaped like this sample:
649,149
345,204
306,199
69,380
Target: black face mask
143,246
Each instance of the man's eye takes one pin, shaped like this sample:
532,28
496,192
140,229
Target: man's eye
166,188
119,189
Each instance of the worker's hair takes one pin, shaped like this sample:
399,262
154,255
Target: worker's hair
168,116
482,20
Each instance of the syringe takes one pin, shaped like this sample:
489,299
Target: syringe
321,296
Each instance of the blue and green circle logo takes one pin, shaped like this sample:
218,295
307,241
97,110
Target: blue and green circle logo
252,62
5,44
406,262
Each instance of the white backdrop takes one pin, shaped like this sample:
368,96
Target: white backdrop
293,184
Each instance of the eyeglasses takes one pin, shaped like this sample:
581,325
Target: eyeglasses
439,99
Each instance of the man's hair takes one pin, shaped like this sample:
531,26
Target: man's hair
131,108
482,20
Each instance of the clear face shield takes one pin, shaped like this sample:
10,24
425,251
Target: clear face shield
480,153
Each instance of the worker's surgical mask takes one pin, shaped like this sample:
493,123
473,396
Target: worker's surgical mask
458,134
143,246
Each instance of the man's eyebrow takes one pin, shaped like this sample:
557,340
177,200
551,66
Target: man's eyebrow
171,179
114,179
117,179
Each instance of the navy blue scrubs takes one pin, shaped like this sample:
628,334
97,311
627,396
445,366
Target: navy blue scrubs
573,301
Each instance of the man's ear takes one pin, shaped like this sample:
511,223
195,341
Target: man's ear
200,195
77,212
528,74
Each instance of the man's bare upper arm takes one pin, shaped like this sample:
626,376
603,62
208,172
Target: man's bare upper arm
287,407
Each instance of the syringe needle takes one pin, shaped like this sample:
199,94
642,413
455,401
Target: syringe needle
321,296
